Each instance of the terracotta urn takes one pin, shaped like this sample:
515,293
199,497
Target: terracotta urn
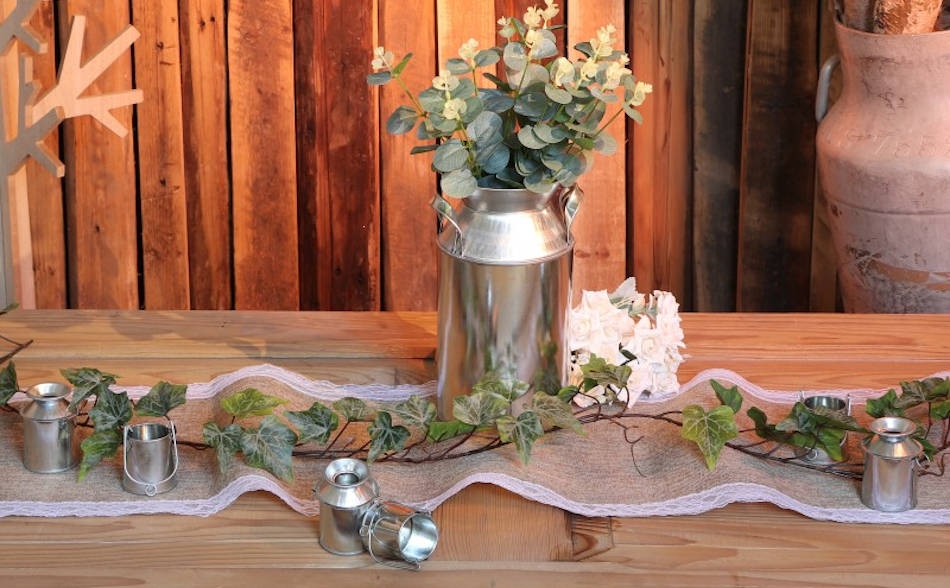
884,169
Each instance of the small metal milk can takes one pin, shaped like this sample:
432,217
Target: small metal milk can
345,492
891,459
49,441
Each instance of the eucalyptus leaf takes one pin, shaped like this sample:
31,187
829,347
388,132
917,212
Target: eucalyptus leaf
497,101
415,411
533,103
528,138
354,409
250,402
8,383
423,149
402,64
161,399
111,411
96,447
559,95
379,78
709,430
493,159
270,447
384,436
87,382
460,183
226,442
633,113
401,120
450,156
515,57
432,100
605,144
522,430
314,424
479,409
458,66
487,57
586,48
485,129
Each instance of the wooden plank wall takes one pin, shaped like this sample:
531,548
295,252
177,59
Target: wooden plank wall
257,174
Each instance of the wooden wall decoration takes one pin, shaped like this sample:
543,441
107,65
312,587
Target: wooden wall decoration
25,126
258,174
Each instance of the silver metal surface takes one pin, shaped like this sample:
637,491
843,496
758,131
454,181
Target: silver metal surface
397,535
505,265
891,458
49,441
835,404
345,493
150,458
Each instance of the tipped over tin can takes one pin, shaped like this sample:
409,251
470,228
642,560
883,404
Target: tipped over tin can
397,535
49,441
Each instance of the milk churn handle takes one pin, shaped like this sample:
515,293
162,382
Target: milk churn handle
447,214
571,201
824,81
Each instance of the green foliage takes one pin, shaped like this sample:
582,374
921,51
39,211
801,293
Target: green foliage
226,442
353,409
161,399
87,382
555,413
101,444
250,402
522,430
111,411
480,409
314,424
709,430
384,436
8,383
270,447
415,412
728,396
442,430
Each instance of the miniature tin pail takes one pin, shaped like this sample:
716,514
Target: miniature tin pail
891,458
345,493
150,458
505,262
397,535
49,441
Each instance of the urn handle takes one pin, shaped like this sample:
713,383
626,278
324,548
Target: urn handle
447,215
824,82
571,201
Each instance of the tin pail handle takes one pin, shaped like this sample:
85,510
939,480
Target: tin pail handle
447,215
150,488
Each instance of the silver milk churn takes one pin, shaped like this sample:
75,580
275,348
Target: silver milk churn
345,492
891,457
49,441
505,260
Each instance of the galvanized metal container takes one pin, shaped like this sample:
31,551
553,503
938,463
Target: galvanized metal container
505,265
397,535
891,458
49,441
149,458
345,492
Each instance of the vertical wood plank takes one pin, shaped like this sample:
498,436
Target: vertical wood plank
162,191
347,199
719,68
47,230
100,176
600,230
461,20
823,292
207,186
22,247
409,251
661,160
778,157
261,71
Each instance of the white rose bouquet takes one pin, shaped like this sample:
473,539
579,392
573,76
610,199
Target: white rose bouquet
624,344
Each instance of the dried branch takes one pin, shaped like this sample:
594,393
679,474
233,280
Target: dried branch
75,78
17,26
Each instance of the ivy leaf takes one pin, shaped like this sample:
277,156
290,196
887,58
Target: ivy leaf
555,412
709,430
505,387
161,399
112,411
442,430
385,437
885,405
226,442
87,382
8,383
728,396
314,424
270,447
96,447
523,431
250,402
940,410
415,412
479,409
353,409
567,393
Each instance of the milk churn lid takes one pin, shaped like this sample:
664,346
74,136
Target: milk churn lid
346,483
49,402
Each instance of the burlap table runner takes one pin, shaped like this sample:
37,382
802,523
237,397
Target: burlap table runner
592,475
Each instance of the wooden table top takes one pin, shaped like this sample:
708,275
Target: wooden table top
488,536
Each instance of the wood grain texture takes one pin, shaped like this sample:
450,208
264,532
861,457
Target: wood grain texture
600,229
47,230
777,179
487,535
261,92
207,183
661,161
347,198
100,177
719,69
407,182
162,191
